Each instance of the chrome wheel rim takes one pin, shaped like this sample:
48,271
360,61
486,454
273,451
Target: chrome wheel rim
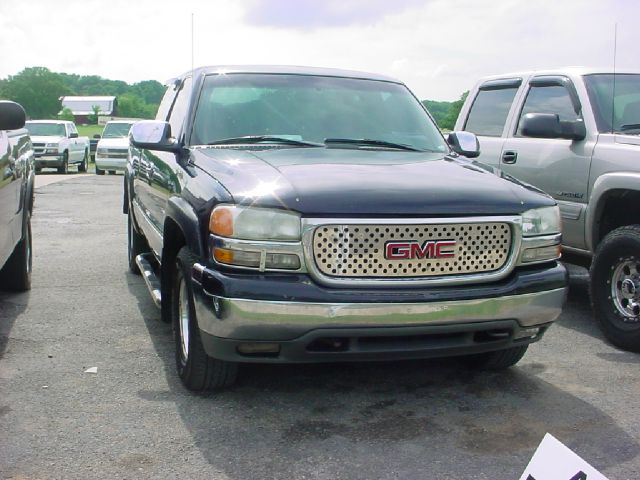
183,318
625,290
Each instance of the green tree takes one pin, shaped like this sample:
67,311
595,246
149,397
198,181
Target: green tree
449,121
130,105
66,114
149,90
93,118
38,90
438,110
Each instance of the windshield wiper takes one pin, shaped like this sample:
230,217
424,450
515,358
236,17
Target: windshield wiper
250,139
370,143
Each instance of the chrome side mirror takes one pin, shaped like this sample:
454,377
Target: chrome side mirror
464,143
153,135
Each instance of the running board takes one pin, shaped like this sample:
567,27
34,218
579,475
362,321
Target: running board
150,277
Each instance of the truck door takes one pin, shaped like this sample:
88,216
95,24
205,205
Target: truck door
9,199
74,143
560,167
488,115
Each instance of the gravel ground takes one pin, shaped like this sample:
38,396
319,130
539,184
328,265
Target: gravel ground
403,420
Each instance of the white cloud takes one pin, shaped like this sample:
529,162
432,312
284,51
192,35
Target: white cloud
439,48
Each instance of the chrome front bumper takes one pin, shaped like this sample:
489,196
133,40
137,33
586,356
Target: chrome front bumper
108,163
239,319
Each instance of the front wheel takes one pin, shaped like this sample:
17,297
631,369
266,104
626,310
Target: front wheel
16,273
615,287
84,165
64,168
196,369
99,171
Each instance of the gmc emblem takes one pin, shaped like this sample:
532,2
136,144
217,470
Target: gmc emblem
412,249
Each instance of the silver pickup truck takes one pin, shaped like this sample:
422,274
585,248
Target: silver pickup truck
56,144
575,133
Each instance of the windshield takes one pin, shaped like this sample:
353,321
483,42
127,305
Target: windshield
116,130
45,129
620,113
309,108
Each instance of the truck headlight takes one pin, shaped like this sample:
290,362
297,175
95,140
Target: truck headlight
541,221
51,145
250,223
256,238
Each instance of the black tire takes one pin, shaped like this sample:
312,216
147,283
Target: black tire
196,369
136,244
64,168
98,171
617,251
84,165
16,273
112,172
498,360
38,169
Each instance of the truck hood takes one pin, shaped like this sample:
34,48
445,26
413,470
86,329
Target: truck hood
121,142
45,139
343,182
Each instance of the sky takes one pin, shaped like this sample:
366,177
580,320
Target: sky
439,48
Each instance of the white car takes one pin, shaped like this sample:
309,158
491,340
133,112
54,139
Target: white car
113,147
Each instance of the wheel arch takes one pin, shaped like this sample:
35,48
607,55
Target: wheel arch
181,227
612,204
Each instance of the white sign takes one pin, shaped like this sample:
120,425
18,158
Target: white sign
554,461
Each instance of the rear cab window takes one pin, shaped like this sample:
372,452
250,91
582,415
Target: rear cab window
490,109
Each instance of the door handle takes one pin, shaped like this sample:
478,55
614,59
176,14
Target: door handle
509,157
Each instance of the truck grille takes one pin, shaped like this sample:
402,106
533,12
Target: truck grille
359,251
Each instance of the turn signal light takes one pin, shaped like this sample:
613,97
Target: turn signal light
221,222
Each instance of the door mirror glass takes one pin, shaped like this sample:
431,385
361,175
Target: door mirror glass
12,116
153,135
73,135
464,143
97,135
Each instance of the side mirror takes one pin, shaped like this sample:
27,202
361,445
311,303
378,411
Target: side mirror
153,135
73,135
12,115
548,125
464,143
97,136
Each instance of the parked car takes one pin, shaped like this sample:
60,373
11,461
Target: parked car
290,214
16,198
575,133
113,147
56,144
93,144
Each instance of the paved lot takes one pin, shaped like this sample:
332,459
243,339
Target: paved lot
407,420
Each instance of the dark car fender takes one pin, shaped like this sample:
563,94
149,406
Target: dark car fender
181,227
181,214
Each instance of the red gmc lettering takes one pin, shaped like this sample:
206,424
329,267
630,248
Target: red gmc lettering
397,251
429,249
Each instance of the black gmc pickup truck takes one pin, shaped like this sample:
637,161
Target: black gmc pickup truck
287,214
17,176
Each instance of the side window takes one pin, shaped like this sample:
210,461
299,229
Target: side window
165,104
549,99
180,108
489,111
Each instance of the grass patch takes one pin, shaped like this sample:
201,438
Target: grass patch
89,130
